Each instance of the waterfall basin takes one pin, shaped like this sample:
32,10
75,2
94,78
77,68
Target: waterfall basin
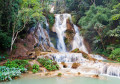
35,79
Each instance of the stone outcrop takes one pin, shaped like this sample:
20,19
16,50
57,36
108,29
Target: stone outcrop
70,33
35,42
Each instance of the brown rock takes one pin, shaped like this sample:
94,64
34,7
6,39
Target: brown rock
95,76
64,64
75,65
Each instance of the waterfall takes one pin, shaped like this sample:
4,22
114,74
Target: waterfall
60,26
47,28
78,41
41,35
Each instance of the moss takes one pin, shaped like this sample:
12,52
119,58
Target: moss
75,50
59,74
85,55
74,19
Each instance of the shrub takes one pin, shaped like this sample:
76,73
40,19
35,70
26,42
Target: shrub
75,65
49,64
36,67
34,71
9,73
115,54
21,64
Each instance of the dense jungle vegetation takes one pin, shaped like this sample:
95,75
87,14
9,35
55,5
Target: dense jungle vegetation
99,21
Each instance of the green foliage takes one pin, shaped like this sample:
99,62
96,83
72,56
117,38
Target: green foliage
114,33
51,20
34,71
35,67
8,73
115,54
49,64
5,41
116,12
21,64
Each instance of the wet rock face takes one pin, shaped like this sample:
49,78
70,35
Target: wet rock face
36,38
70,33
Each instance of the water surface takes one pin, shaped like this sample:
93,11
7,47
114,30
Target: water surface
62,80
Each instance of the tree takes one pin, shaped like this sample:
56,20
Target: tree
96,19
29,10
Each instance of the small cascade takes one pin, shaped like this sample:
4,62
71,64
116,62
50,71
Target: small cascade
98,57
41,36
111,70
78,41
47,28
60,26
68,57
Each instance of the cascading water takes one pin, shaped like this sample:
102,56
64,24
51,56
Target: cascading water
47,28
41,36
78,41
60,25
68,57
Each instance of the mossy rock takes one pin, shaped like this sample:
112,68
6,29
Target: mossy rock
85,55
75,50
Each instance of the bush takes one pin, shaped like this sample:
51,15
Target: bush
21,64
36,67
49,64
34,71
9,73
115,54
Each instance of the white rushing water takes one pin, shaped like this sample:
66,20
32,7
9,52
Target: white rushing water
42,35
68,57
78,41
60,26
